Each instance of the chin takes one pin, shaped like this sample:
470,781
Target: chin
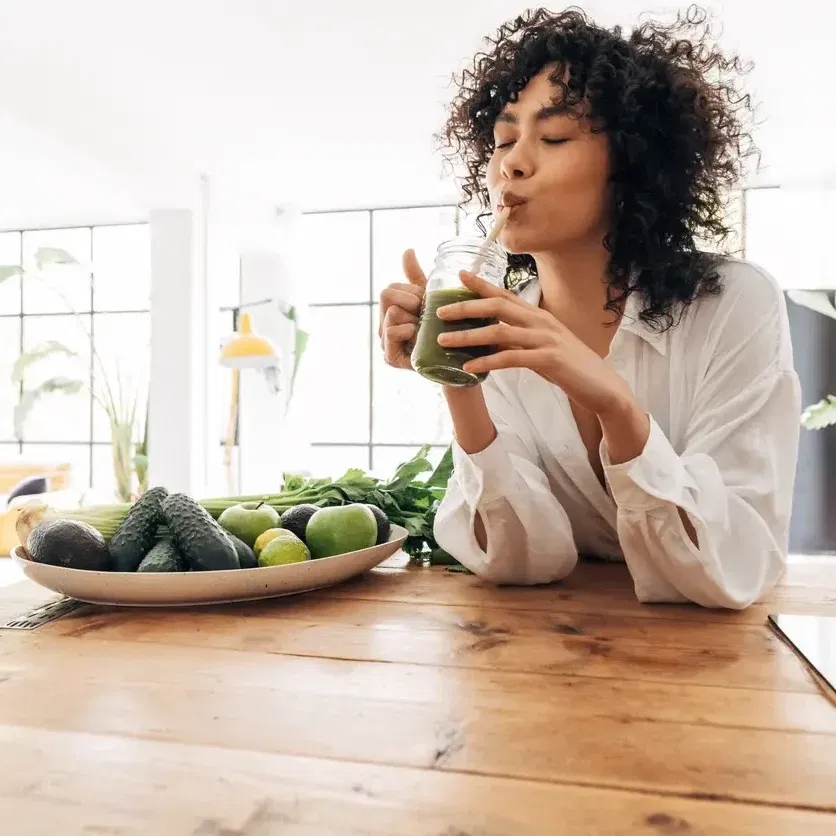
518,241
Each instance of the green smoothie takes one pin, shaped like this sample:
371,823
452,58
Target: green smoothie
440,363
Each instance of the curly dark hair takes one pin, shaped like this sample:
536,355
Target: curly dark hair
679,134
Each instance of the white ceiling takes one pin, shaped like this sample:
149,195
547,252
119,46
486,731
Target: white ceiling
325,104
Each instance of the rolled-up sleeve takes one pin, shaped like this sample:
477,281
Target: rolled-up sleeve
529,536
734,480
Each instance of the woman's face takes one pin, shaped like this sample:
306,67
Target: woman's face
552,170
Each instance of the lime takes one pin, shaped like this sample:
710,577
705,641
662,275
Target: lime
282,550
265,537
341,529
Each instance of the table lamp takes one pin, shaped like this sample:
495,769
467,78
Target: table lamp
244,350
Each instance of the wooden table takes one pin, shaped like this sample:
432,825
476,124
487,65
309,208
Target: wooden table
416,701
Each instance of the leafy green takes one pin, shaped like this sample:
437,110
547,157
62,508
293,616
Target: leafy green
405,499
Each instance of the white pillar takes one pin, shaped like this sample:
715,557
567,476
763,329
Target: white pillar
179,350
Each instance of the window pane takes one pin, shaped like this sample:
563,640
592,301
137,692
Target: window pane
10,288
334,461
123,346
61,287
788,233
332,388
58,416
396,230
337,264
468,222
407,407
76,455
385,460
121,268
9,392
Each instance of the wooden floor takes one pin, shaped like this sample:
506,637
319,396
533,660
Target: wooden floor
415,701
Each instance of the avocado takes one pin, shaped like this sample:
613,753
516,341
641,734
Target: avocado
204,544
163,557
246,556
384,527
68,543
296,519
138,531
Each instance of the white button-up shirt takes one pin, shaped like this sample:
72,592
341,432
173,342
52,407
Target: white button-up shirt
724,404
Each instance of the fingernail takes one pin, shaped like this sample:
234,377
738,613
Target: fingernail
443,339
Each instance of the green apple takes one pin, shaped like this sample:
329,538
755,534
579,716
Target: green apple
249,519
341,529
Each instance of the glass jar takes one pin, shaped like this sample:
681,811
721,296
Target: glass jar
436,362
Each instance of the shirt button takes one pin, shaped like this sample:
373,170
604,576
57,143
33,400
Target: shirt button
618,365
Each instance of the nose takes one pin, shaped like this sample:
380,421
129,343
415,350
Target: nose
518,163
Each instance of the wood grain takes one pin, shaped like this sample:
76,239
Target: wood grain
111,691
175,789
413,701
592,588
493,639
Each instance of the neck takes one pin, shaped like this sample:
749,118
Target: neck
574,289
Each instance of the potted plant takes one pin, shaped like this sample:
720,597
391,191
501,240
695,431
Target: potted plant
123,402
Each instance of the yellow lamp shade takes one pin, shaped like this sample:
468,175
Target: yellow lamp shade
246,350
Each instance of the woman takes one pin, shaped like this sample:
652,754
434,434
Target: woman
642,403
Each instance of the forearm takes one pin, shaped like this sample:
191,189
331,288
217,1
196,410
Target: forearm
472,424
474,431
625,430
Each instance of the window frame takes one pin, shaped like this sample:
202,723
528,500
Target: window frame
91,442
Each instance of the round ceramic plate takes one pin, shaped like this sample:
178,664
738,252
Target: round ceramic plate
177,589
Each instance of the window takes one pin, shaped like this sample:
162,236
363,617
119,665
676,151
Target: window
98,309
361,412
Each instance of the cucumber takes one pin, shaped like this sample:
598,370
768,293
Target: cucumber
163,557
138,531
201,541
246,556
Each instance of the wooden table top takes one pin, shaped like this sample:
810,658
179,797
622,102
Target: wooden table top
418,701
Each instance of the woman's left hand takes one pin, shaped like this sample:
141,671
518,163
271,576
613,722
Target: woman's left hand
527,337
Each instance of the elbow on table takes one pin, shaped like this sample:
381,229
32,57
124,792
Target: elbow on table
729,593
506,571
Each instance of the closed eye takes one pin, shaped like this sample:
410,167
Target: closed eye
550,141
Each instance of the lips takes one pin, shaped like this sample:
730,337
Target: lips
509,200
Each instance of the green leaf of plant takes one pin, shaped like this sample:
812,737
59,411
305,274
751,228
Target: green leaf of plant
441,475
46,256
63,385
815,300
8,271
299,345
407,472
38,353
820,415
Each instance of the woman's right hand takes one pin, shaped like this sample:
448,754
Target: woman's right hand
400,307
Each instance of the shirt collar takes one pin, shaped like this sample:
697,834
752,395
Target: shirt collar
630,322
